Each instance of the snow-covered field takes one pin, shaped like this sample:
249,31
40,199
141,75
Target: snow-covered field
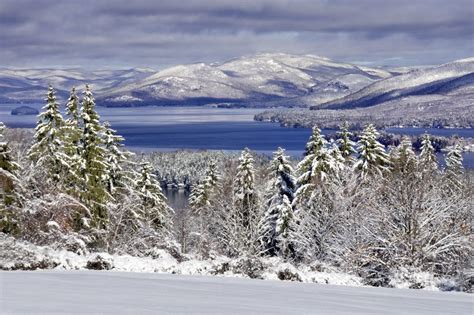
40,292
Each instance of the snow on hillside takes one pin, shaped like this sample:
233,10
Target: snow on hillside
118,293
441,79
255,79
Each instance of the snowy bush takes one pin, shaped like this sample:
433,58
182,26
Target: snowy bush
100,261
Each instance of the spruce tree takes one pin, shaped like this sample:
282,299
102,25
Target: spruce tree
47,149
346,145
8,185
316,144
427,158
117,177
404,160
154,211
72,134
244,187
454,169
316,167
200,197
372,160
200,203
276,221
93,162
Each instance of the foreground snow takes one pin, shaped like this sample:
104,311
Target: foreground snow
118,292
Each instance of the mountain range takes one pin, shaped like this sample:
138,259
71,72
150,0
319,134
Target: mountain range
263,80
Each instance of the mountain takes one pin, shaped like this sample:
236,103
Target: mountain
29,86
263,80
445,82
260,80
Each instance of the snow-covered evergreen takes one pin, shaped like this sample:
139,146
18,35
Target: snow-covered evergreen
244,187
93,162
346,145
276,220
404,158
8,186
154,210
48,148
372,160
117,177
427,158
454,169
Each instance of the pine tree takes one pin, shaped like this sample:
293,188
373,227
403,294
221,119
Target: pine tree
8,185
373,160
427,158
93,162
72,134
305,181
116,175
346,145
154,211
201,194
404,160
315,168
200,203
72,109
285,229
244,187
454,169
47,149
279,195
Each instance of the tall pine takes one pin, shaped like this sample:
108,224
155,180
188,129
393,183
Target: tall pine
372,160
277,225
47,149
8,186
93,162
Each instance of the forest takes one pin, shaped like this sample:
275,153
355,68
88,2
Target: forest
349,203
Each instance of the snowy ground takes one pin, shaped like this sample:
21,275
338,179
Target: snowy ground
118,292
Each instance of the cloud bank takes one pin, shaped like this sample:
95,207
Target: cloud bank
156,34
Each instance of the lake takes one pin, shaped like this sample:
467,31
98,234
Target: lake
170,128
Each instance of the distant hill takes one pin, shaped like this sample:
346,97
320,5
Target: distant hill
260,80
444,82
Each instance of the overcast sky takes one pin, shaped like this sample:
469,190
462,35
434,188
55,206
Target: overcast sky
156,34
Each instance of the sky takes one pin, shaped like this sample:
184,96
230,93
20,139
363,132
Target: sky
99,34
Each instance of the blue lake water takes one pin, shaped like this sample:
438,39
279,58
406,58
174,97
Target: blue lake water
169,128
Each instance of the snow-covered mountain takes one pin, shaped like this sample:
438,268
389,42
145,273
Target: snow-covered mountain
444,82
259,80
263,80
29,86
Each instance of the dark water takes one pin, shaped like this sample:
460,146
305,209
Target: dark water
169,128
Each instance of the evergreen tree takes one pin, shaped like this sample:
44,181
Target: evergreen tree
373,160
201,194
47,148
314,150
154,211
72,109
72,134
427,158
346,145
200,203
8,182
404,160
93,162
285,229
279,195
454,169
116,175
244,187
315,168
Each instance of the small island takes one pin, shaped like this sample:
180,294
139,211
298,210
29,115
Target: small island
24,110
